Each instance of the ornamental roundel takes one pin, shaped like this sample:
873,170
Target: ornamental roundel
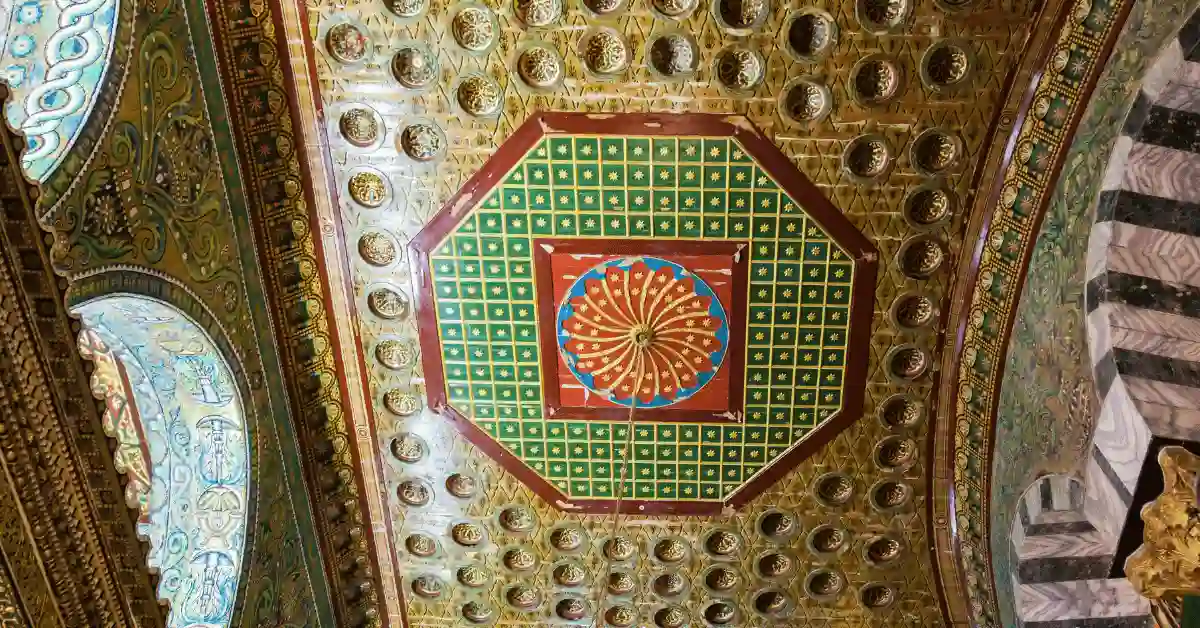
642,332
648,313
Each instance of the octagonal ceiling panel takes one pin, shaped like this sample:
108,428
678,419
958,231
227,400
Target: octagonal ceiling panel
665,308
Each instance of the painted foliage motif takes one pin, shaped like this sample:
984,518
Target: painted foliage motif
195,436
53,54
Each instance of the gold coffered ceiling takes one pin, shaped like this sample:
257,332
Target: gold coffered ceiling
885,106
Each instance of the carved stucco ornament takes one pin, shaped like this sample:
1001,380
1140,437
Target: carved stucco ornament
1167,565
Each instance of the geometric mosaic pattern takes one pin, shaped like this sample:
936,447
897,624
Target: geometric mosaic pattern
483,326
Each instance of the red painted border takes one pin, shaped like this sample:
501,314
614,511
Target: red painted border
735,355
860,250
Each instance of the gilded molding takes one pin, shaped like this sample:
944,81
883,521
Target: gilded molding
1167,565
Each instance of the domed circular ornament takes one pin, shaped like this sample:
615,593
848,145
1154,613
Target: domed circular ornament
671,617
696,332
720,613
935,152
881,16
669,585
824,584
387,303
810,34
900,412
671,550
895,453
877,596
921,256
883,550
621,583
367,188
620,616
906,363
569,574
776,565
834,489
619,549
347,43
377,249
889,495
394,354
519,559
946,65
605,52
422,141
604,7
567,538
359,126
477,612
742,15
740,69
408,447
722,543
778,525
721,580
461,485
474,28
867,158
466,534
673,55
479,95
571,608
523,598
401,403
519,519
414,493
420,545
473,577
875,80
674,9
805,101
772,603
538,13
406,9
414,67
827,539
929,206
540,67
428,587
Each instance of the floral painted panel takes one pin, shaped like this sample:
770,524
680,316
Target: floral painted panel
195,435
53,54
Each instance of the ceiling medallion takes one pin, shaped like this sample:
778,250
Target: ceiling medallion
408,447
479,95
827,539
347,43
875,80
395,354
929,205
538,13
428,587
414,492
605,52
461,485
401,403
741,15
778,526
477,612
388,303
619,549
474,28
722,544
669,585
569,574
671,617
518,519
671,550
881,16
674,9
833,489
867,158
810,34
571,609
540,67
913,311
621,583
360,126
720,613
805,101
721,580
420,545
775,565
466,534
377,248
620,616
935,152
945,65
422,141
473,577
824,584
772,603
674,340
877,596
604,7
414,67
883,551
523,598
519,559
368,188
674,55
921,256
567,538
888,495
900,412
406,9
740,69
895,453
906,363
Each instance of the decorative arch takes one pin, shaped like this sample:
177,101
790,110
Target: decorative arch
187,409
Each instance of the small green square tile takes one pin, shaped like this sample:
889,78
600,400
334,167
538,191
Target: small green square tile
514,198
737,153
561,148
589,200
664,150
565,225
541,224
615,200
666,490
690,226
587,175
491,246
601,470
540,199
612,148
741,177
537,174
639,175
759,356
490,222
518,246
495,269
740,202
840,272
591,224
739,227
768,203
664,176
496,290
716,150
587,149
832,376
691,177
664,200
615,226
834,338
640,225
689,453
836,315
613,175
640,200
763,181
492,201
765,227
665,226
562,175
691,149
788,273
756,415
690,201
716,178
689,490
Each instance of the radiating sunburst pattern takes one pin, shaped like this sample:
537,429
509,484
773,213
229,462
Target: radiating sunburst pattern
642,328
